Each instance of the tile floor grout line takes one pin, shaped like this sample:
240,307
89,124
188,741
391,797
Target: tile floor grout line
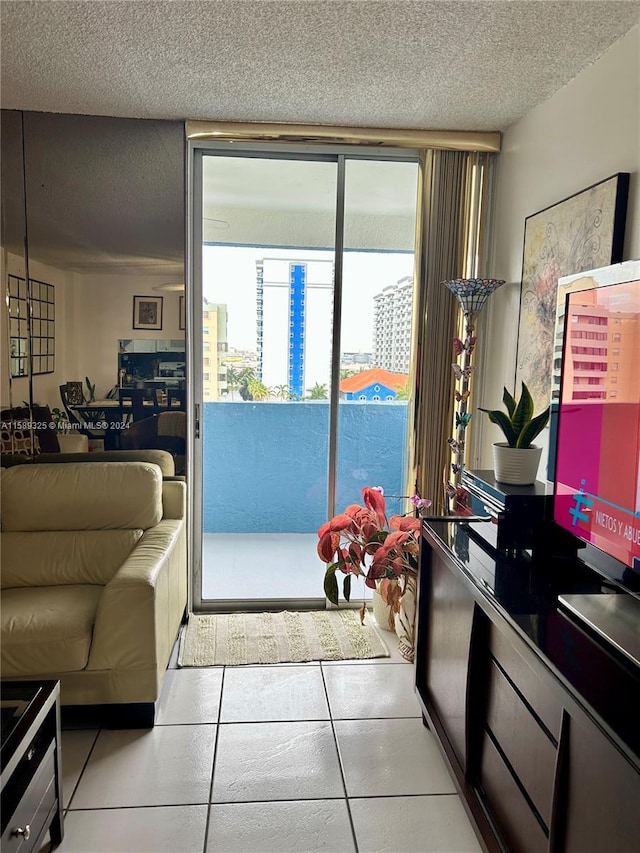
340,764
84,767
213,764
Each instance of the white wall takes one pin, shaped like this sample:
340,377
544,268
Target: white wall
103,314
586,132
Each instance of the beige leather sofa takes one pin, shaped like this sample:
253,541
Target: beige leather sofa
94,579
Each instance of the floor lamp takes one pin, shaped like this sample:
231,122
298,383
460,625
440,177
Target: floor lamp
471,293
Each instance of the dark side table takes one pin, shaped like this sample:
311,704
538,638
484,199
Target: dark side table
31,767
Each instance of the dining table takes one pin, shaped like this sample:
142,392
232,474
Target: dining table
107,419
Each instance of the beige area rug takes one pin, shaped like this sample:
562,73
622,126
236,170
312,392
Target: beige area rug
287,637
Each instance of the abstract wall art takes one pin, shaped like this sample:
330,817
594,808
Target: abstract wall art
582,232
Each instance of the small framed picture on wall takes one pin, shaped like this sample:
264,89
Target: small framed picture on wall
182,316
147,312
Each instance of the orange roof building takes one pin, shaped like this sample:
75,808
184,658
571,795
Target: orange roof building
374,385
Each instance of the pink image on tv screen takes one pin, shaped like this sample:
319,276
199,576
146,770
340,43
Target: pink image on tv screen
597,490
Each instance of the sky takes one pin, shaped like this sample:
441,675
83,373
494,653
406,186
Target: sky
229,276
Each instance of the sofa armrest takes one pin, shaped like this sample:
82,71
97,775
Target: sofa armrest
140,608
174,498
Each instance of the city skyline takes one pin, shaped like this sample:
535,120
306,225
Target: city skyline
229,277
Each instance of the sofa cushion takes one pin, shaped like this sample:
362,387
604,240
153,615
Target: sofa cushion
49,558
77,496
161,458
47,629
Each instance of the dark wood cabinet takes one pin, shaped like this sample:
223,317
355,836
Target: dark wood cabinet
600,796
539,768
448,630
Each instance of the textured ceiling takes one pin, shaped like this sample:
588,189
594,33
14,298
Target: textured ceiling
105,195
441,65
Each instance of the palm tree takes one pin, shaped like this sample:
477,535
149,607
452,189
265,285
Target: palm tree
233,379
402,391
281,392
258,389
247,374
318,392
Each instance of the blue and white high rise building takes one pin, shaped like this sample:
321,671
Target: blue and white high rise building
294,314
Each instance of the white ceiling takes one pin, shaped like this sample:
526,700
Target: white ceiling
105,195
443,65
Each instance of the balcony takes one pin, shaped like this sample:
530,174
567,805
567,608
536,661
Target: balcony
265,488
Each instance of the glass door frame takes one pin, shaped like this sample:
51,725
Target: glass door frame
195,152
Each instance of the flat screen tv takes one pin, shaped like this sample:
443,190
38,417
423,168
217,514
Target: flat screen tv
597,472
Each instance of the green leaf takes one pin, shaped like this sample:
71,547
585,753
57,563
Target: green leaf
532,429
523,412
504,422
509,402
346,587
331,585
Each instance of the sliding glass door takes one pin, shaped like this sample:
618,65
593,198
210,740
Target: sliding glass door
293,254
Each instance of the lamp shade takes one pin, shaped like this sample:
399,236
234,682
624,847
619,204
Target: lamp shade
472,293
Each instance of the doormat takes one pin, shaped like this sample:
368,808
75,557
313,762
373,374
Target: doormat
288,637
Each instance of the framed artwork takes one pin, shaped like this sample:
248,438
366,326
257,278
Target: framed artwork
582,232
182,317
147,312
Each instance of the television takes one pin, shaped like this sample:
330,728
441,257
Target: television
597,465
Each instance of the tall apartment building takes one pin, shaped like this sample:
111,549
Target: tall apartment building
214,349
392,326
295,313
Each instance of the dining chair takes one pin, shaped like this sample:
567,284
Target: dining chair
69,397
132,403
177,399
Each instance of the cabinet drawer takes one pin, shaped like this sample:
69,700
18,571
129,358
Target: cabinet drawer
539,695
33,810
517,823
525,744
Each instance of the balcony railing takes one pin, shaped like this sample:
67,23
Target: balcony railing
265,464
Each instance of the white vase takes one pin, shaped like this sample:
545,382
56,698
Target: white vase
516,466
406,619
382,612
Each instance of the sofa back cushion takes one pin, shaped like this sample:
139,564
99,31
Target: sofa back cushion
52,558
80,496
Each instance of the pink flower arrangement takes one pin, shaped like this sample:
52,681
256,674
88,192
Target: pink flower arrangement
362,542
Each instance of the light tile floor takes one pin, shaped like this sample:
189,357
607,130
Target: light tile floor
302,758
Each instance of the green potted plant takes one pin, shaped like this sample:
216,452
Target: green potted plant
516,460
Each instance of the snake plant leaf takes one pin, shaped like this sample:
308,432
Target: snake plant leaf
331,585
523,412
532,429
346,587
504,422
509,402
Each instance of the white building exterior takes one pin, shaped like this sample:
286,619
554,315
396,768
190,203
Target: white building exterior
392,326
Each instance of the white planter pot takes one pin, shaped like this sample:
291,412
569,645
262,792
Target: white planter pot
382,612
515,465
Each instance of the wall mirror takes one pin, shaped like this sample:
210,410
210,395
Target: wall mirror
99,203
